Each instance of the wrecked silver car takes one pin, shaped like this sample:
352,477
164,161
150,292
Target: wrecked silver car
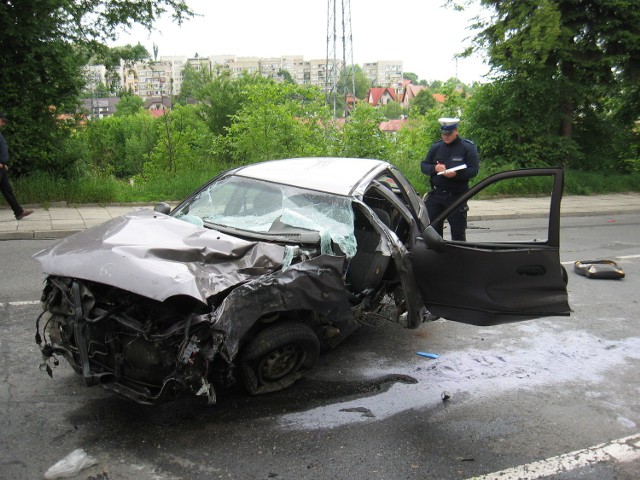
249,278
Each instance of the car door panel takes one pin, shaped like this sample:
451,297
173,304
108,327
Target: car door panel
484,287
492,283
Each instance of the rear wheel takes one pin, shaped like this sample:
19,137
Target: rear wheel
278,356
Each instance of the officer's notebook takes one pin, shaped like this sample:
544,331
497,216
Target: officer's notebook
453,169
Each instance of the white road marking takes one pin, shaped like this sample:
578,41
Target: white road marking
19,304
619,257
625,449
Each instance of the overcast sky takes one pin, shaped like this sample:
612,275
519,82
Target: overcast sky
423,34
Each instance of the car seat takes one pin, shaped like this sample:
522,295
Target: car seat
368,266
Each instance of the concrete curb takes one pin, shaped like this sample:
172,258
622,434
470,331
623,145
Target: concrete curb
38,234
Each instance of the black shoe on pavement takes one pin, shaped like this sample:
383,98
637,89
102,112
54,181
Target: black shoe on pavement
25,213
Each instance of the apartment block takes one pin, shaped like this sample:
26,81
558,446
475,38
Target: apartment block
151,79
95,74
385,73
298,68
163,77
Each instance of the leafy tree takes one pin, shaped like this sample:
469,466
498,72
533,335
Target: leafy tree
393,110
193,81
586,51
412,143
99,90
348,77
44,45
363,84
129,104
279,120
286,76
455,94
412,77
361,136
512,123
422,102
33,62
184,144
111,58
223,97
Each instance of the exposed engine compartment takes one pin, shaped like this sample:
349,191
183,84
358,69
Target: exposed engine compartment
141,348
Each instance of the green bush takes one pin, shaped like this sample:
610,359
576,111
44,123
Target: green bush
120,145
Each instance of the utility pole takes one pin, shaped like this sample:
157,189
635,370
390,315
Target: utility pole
340,82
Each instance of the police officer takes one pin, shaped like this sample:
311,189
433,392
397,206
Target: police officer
450,163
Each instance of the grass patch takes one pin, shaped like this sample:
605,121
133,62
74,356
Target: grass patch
44,189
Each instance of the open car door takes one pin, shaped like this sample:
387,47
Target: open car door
487,281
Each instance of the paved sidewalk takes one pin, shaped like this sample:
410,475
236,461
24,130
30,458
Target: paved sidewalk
61,221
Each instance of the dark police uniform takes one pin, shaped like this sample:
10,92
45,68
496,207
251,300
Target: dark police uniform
444,191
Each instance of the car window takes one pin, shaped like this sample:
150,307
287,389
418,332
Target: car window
388,213
497,224
405,191
273,210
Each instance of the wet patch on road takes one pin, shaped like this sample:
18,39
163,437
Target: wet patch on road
542,356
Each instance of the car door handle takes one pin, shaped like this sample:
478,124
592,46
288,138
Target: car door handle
530,270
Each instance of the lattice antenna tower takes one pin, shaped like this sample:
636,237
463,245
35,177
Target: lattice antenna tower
340,82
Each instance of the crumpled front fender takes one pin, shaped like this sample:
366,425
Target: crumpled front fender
314,285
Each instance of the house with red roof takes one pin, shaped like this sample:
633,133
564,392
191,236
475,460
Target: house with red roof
157,106
392,126
380,96
411,91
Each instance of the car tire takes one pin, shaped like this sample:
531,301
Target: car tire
278,356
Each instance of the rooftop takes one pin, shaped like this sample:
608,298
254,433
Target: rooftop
334,175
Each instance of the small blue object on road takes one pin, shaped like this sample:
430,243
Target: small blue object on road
427,354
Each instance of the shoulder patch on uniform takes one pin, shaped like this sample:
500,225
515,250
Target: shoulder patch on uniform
468,141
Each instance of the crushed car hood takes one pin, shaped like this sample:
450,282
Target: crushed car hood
158,256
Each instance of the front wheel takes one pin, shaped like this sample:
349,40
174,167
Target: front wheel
278,356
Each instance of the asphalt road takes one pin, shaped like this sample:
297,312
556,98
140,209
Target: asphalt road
372,409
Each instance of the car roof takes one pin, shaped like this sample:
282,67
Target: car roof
337,175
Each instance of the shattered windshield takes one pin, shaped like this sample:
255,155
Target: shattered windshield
273,211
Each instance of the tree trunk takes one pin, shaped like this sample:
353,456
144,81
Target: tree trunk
566,129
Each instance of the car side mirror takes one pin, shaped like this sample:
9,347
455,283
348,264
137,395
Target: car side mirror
432,239
162,207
